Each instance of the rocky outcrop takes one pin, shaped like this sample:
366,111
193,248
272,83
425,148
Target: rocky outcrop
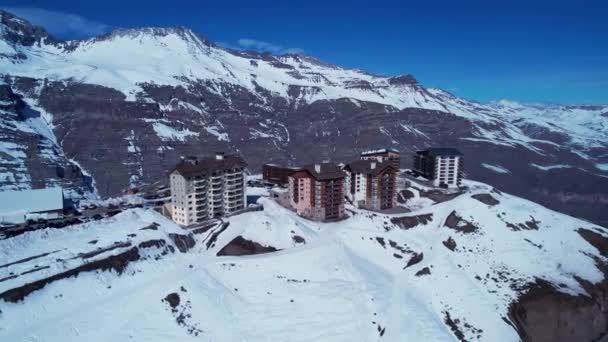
408,222
415,259
450,244
182,242
172,299
241,246
29,158
422,272
486,199
543,313
454,221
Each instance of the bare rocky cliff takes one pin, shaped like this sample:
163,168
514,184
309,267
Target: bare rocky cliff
544,313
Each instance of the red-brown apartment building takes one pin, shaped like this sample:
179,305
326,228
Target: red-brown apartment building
317,192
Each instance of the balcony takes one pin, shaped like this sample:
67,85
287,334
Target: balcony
234,173
238,181
235,206
234,199
234,190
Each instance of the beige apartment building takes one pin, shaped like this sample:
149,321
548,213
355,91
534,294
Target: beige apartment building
207,187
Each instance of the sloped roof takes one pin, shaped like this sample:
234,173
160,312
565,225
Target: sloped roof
365,167
440,151
15,204
328,171
208,165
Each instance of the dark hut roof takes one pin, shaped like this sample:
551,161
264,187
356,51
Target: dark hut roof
208,165
365,167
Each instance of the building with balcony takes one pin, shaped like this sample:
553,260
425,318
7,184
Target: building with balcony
442,166
207,187
383,155
371,184
317,192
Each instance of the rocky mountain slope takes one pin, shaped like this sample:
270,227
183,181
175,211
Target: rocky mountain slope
125,106
482,266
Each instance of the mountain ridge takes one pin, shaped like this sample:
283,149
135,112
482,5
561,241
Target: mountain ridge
135,103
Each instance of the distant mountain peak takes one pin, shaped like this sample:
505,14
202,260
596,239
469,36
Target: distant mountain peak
180,31
16,30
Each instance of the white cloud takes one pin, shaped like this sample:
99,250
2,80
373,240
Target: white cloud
64,25
294,50
262,46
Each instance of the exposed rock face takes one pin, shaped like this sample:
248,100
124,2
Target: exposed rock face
450,243
407,222
459,224
182,242
241,246
422,272
545,314
415,259
172,299
29,157
486,199
19,31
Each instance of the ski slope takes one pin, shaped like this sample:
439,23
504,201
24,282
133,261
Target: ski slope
344,281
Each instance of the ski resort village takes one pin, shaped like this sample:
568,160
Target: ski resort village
356,250
209,187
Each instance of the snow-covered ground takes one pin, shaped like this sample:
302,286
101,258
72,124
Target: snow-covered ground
343,281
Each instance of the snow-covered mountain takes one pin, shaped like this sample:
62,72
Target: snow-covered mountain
478,267
126,105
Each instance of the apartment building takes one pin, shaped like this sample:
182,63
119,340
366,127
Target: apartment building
207,187
382,155
317,192
371,184
444,166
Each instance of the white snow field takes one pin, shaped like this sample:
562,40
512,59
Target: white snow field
342,281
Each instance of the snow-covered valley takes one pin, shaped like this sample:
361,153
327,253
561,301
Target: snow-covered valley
445,271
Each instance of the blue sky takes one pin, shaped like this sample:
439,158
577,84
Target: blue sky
484,50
